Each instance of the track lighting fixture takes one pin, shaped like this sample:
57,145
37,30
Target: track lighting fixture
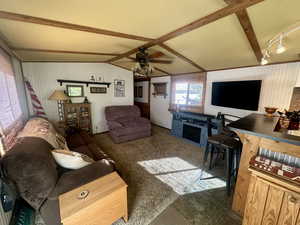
264,61
278,40
280,48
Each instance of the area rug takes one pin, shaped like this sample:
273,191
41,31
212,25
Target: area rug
163,170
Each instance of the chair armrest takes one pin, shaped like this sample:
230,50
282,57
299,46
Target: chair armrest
113,124
76,178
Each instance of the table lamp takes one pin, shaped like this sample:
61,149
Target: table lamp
59,96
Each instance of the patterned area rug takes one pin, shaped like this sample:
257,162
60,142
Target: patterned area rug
163,171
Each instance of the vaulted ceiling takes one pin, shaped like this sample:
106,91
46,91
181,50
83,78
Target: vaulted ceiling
196,35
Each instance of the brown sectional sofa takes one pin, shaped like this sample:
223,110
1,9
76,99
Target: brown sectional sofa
31,169
125,123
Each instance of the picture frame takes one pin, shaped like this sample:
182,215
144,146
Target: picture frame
98,90
119,88
75,91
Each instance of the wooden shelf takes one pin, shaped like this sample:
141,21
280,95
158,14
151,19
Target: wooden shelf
83,82
160,89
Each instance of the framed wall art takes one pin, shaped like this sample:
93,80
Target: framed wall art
119,88
98,90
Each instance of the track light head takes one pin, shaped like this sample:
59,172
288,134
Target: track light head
264,61
280,48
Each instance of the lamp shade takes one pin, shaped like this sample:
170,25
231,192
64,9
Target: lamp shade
58,95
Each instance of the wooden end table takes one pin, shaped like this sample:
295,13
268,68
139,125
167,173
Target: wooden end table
100,202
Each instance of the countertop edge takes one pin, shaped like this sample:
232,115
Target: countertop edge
265,136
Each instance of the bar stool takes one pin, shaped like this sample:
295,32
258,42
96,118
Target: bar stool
227,143
230,147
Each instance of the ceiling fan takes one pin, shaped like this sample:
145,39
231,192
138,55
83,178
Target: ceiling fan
143,60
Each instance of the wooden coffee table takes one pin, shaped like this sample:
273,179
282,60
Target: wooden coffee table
104,203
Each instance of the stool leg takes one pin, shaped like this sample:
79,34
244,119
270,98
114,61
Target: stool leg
212,150
206,152
228,170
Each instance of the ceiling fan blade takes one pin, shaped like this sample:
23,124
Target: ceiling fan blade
161,61
157,54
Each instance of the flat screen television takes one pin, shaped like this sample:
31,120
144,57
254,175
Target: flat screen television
236,94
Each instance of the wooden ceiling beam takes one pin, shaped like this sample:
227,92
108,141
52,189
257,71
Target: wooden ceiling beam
221,13
181,56
246,24
62,51
160,70
70,26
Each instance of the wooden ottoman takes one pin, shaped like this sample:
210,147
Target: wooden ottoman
100,202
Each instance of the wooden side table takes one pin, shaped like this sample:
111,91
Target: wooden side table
105,202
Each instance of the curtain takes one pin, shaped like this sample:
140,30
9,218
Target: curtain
188,92
10,110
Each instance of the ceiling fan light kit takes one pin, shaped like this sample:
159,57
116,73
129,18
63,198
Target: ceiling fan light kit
143,66
278,39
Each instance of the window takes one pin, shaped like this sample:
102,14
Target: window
10,110
188,92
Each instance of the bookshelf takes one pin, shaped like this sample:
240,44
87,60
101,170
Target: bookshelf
78,115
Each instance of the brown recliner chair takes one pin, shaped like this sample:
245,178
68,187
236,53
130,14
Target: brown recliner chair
125,123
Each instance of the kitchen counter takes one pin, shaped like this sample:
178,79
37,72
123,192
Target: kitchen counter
262,126
256,132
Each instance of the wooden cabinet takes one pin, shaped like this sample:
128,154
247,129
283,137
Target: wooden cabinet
78,115
104,203
271,201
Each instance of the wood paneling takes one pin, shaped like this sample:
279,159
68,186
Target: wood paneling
251,144
250,149
273,206
290,210
271,201
145,109
259,192
71,26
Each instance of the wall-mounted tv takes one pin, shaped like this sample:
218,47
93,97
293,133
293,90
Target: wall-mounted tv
237,94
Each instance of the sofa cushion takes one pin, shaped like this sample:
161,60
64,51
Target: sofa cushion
133,122
133,126
115,112
31,167
71,160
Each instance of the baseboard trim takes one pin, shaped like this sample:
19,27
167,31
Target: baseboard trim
161,126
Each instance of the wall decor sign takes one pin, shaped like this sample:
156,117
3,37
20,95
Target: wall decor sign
98,90
119,87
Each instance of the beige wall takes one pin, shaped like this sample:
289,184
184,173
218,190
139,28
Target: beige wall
43,78
159,105
277,86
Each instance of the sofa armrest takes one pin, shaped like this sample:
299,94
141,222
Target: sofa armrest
113,124
76,178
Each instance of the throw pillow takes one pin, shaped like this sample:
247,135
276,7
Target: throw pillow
71,160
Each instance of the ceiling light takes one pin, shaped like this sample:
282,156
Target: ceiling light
264,61
280,48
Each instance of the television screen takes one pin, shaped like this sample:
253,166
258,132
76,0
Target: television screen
236,94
